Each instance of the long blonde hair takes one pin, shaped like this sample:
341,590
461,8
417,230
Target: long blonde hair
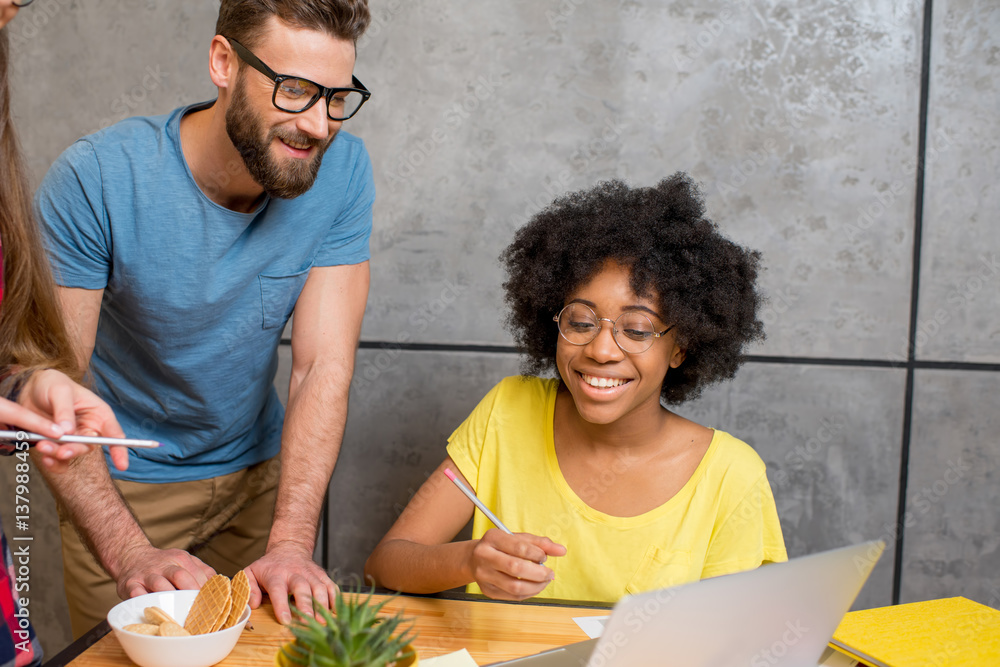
32,332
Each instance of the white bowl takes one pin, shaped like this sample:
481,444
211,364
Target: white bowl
152,651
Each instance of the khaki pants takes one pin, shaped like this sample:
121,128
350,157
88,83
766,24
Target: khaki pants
225,521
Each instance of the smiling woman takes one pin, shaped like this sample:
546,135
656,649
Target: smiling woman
635,299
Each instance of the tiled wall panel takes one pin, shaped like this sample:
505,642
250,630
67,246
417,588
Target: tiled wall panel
952,543
960,270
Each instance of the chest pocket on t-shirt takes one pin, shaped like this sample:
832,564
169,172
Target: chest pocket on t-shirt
661,568
278,295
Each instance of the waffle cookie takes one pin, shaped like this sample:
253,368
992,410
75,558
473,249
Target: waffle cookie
143,628
212,604
157,616
171,629
241,595
225,614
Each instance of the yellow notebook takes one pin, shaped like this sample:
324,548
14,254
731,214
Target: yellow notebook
953,632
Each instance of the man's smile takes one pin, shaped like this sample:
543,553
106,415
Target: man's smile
295,148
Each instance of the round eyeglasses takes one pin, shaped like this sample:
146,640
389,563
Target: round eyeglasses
294,94
22,3
632,331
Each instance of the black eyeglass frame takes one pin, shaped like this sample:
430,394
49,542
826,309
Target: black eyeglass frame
325,93
22,3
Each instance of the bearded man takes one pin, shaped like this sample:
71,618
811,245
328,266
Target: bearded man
182,244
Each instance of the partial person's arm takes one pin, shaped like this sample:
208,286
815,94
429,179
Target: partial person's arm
325,337
417,555
96,508
17,417
48,394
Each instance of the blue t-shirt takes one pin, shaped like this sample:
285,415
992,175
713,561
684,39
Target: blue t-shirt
195,295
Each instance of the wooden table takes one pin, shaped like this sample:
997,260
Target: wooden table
491,631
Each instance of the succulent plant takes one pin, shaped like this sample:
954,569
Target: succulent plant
354,637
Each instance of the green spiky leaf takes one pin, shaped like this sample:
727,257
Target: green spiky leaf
352,636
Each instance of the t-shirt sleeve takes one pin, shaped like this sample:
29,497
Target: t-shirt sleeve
69,205
465,445
347,240
748,536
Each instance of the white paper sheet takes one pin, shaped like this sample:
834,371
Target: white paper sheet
592,625
456,659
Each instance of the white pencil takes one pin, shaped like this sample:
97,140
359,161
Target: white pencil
479,503
25,436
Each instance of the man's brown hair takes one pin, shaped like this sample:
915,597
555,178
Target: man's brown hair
244,20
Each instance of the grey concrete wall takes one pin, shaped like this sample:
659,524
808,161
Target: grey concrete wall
952,543
960,276
802,122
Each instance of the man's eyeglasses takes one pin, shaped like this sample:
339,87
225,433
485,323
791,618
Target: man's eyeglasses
295,94
22,3
632,331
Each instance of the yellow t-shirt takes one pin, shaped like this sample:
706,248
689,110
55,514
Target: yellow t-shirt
722,521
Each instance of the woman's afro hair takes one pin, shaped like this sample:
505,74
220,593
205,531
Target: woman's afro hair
703,283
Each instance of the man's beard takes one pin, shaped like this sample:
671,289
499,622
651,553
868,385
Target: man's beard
286,180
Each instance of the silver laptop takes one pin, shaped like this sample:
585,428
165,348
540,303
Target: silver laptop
779,615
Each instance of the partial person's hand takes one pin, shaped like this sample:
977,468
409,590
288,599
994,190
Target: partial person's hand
288,569
76,410
509,567
18,417
8,9
147,569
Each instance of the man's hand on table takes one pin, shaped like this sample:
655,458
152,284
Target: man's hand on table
147,569
288,569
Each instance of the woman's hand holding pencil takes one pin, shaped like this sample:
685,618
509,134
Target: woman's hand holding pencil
70,409
506,565
509,567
